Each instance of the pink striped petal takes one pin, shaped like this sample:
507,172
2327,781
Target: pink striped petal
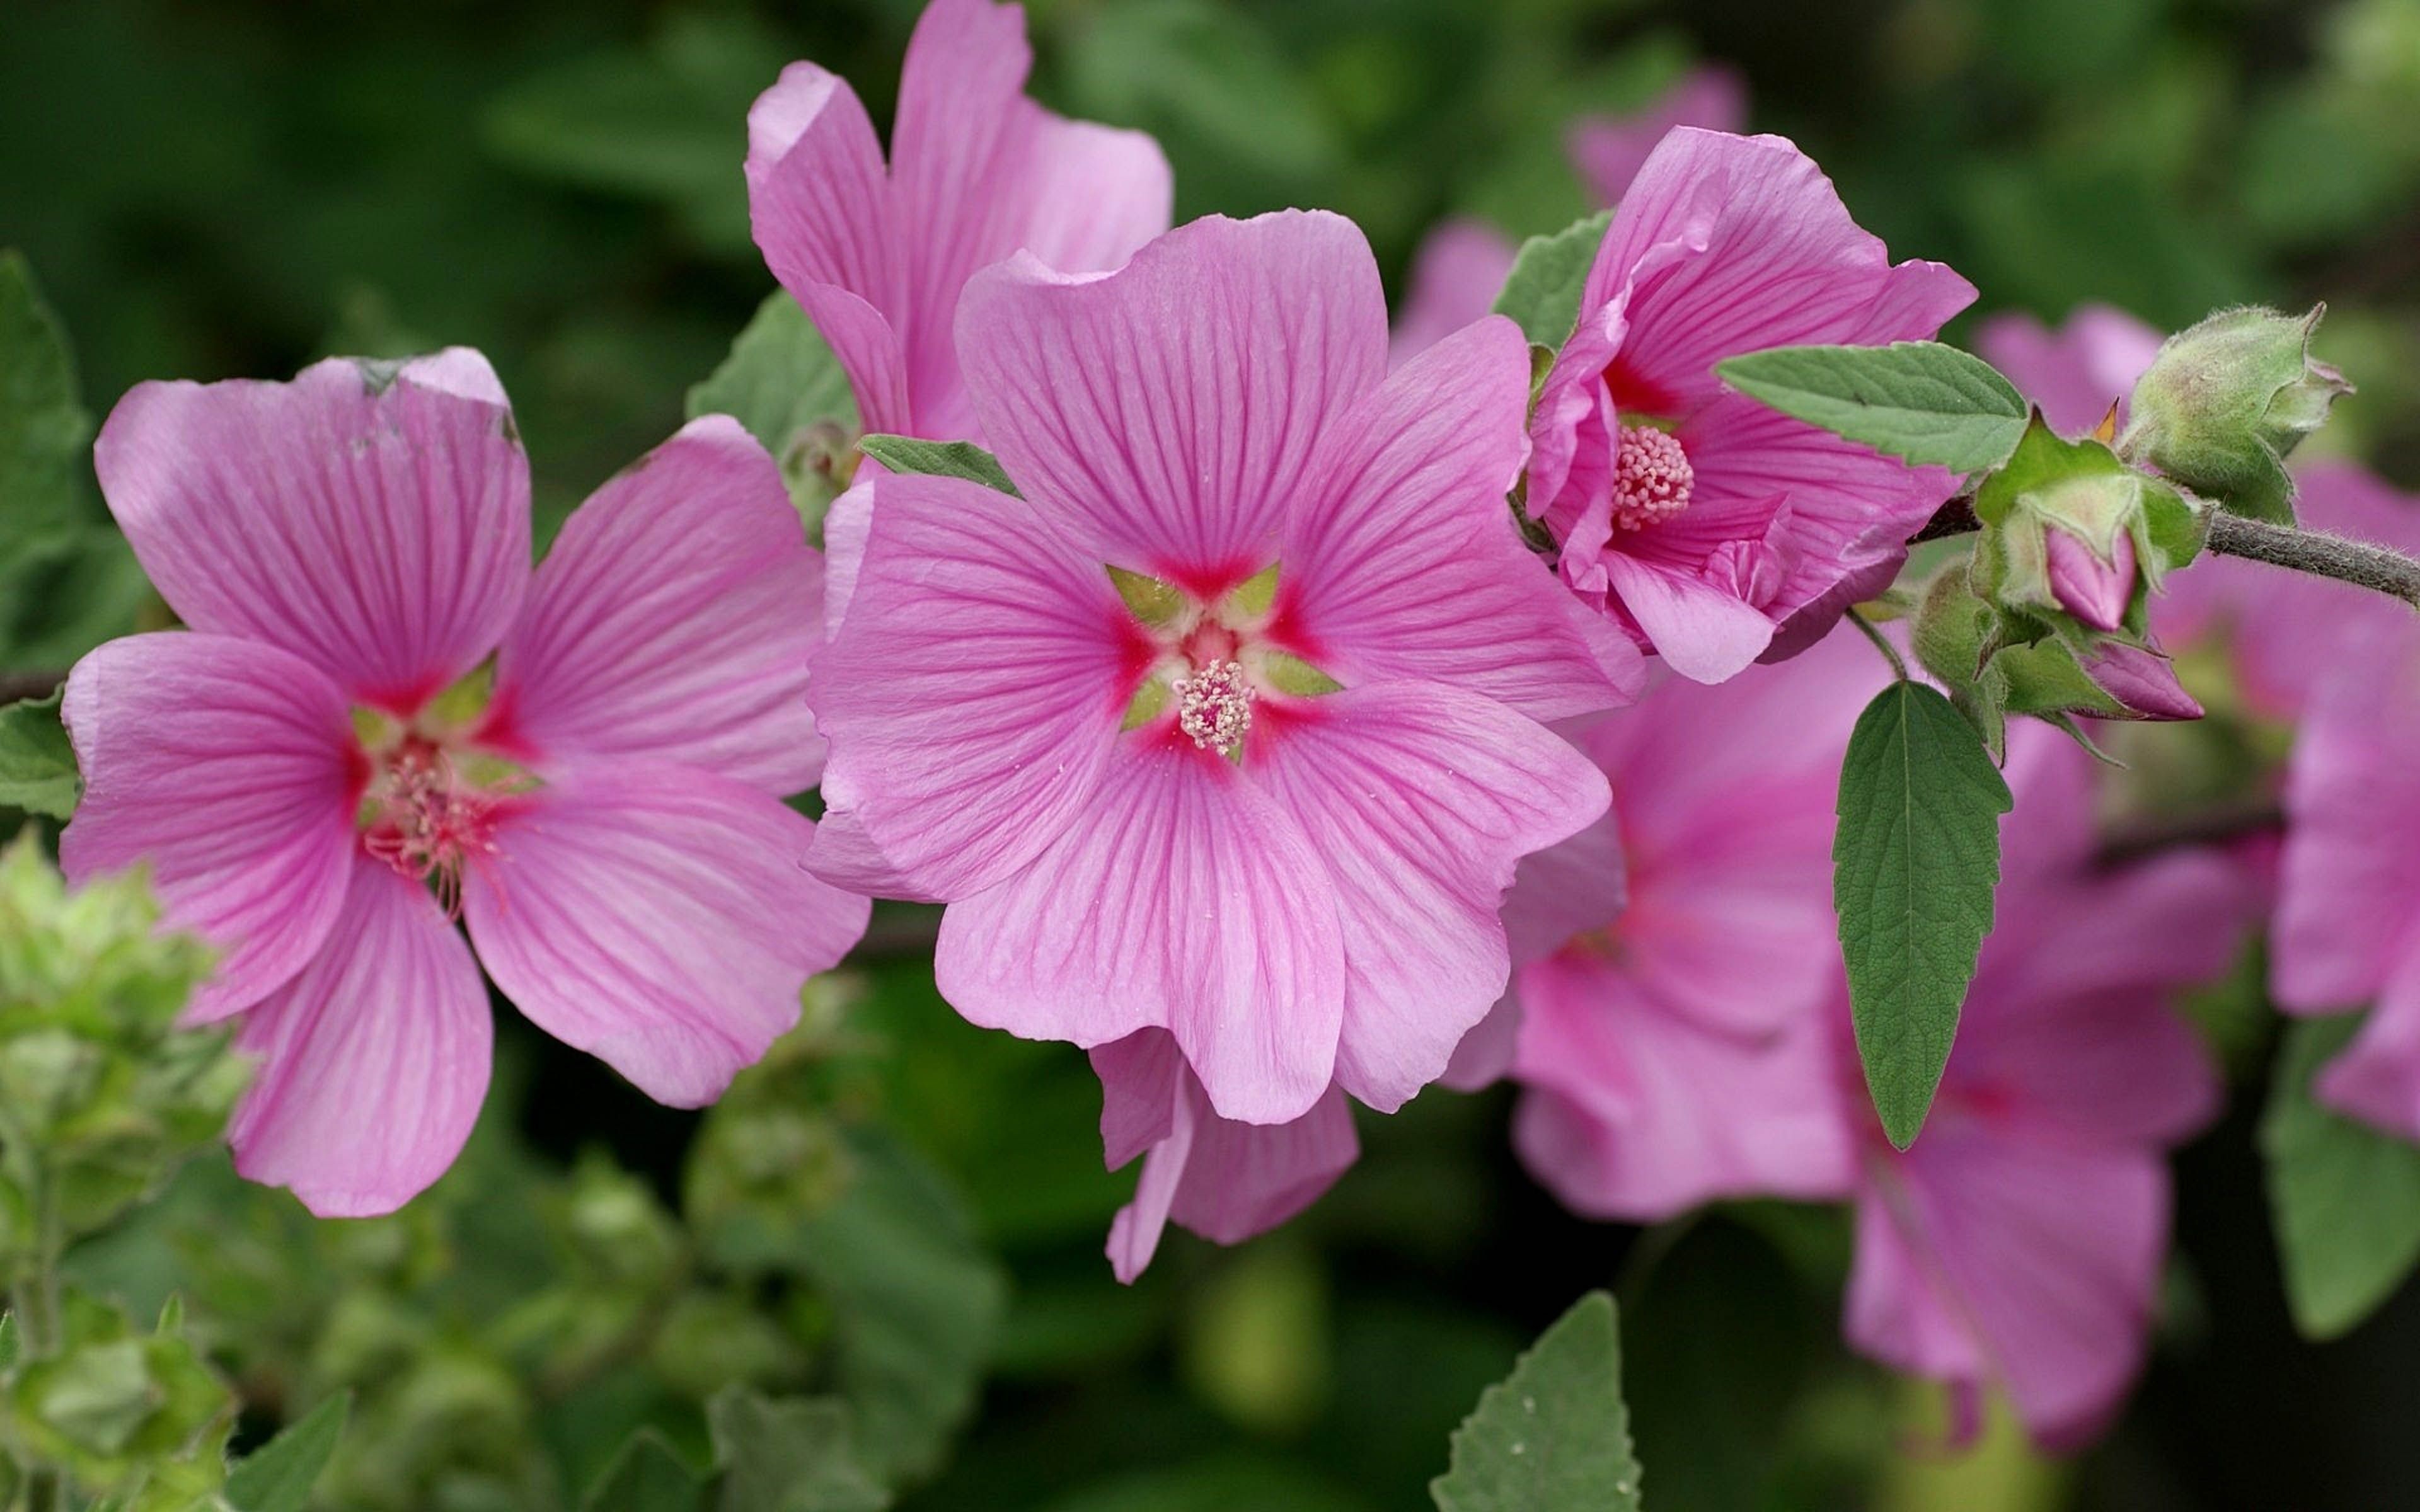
1168,412
672,621
371,519
1421,800
373,1061
230,769
657,916
1704,631
1180,897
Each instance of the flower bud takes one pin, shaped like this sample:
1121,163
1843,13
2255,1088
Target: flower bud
2111,680
2224,402
2073,535
2094,589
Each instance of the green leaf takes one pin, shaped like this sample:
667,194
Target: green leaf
788,1455
38,766
278,1475
784,385
646,1477
1920,401
12,1343
1553,1436
43,427
2345,1197
1914,860
938,459
1542,294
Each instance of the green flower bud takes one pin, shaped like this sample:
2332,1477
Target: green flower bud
2072,538
118,1411
2227,401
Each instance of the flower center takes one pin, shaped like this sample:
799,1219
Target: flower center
421,818
1215,706
1650,477
1205,665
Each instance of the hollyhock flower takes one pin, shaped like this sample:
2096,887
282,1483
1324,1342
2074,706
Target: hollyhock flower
977,172
317,777
1670,1043
1195,735
1712,529
1456,274
2018,1244
2349,889
1610,150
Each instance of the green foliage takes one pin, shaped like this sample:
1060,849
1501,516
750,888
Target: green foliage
1920,401
2345,1197
117,1413
278,1475
1553,1436
38,764
649,1476
783,384
1915,861
941,459
1543,292
789,1457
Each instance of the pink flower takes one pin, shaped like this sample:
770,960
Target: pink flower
1196,735
1715,530
1674,1050
977,172
1610,150
2018,1244
2349,889
303,762
1456,275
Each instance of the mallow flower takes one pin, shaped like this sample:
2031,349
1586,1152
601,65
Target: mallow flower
1196,735
1713,530
877,255
327,765
1609,150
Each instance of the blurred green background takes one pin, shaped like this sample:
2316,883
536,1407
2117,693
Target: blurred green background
211,188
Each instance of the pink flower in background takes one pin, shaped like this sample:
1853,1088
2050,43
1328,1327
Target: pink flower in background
2017,1245
2076,373
1195,735
2350,889
1674,1050
1456,275
977,172
1712,529
300,765
1610,150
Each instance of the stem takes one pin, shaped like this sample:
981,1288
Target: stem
1882,643
34,1296
15,686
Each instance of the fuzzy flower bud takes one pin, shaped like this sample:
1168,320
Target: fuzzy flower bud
2072,537
2226,402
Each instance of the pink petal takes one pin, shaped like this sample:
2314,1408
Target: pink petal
1781,263
230,769
657,917
847,525
672,622
371,519
1168,412
821,205
2076,373
1179,897
1639,1113
1484,1056
1407,542
2141,679
1456,274
2035,1264
1097,194
2094,591
2377,1078
973,689
373,1060
1222,1179
1567,889
1703,631
1421,800
1610,150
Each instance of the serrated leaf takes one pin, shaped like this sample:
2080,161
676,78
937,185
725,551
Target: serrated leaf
938,459
646,1477
2344,1196
1553,1436
1915,861
796,1455
1542,294
278,1475
38,764
1920,401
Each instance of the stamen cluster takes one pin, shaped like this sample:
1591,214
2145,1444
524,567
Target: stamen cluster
1651,477
1215,706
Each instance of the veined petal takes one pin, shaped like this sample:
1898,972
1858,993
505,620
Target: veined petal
1402,560
1168,412
974,687
228,767
673,621
1421,800
373,1060
1703,631
1177,896
369,518
657,916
